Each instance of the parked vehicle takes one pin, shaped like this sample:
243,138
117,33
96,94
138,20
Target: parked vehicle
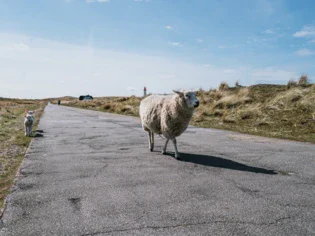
85,97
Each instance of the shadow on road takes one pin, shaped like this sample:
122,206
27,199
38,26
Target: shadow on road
222,163
38,135
39,131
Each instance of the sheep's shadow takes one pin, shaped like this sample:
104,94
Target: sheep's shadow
38,135
39,131
221,163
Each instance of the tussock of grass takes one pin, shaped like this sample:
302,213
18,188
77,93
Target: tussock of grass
286,98
231,100
304,81
224,86
292,84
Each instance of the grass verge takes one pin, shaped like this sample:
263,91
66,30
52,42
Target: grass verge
13,143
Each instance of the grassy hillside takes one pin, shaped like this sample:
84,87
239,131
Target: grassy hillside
13,143
280,111
267,110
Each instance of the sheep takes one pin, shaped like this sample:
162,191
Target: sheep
29,122
167,115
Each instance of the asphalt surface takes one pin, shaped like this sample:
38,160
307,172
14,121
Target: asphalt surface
91,173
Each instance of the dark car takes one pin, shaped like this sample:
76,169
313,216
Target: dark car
85,97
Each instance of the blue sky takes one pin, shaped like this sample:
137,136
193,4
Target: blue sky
115,47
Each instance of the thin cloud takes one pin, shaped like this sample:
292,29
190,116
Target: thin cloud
264,41
100,1
21,47
168,27
142,0
222,46
229,71
268,31
176,44
199,40
16,47
306,32
304,52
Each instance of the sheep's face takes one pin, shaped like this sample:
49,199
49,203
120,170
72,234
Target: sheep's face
28,118
189,97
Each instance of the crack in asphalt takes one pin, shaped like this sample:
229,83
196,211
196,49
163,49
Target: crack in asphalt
277,221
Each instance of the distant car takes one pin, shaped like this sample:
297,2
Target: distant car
85,97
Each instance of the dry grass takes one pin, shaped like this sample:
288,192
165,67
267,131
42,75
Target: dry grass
304,81
224,86
292,83
267,110
237,84
13,143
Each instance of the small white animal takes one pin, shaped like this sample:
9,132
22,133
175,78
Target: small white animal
29,122
167,115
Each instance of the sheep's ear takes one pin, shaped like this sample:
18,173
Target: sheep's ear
34,111
24,116
179,93
26,111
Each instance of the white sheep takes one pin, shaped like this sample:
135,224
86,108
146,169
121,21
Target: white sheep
167,115
29,122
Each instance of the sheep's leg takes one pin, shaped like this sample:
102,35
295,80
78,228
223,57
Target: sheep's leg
165,146
25,127
152,142
176,150
31,130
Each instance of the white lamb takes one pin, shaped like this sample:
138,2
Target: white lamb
29,122
167,115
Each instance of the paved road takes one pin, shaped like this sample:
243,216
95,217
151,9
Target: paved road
92,174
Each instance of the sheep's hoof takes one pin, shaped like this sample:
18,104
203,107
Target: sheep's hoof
163,152
177,157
